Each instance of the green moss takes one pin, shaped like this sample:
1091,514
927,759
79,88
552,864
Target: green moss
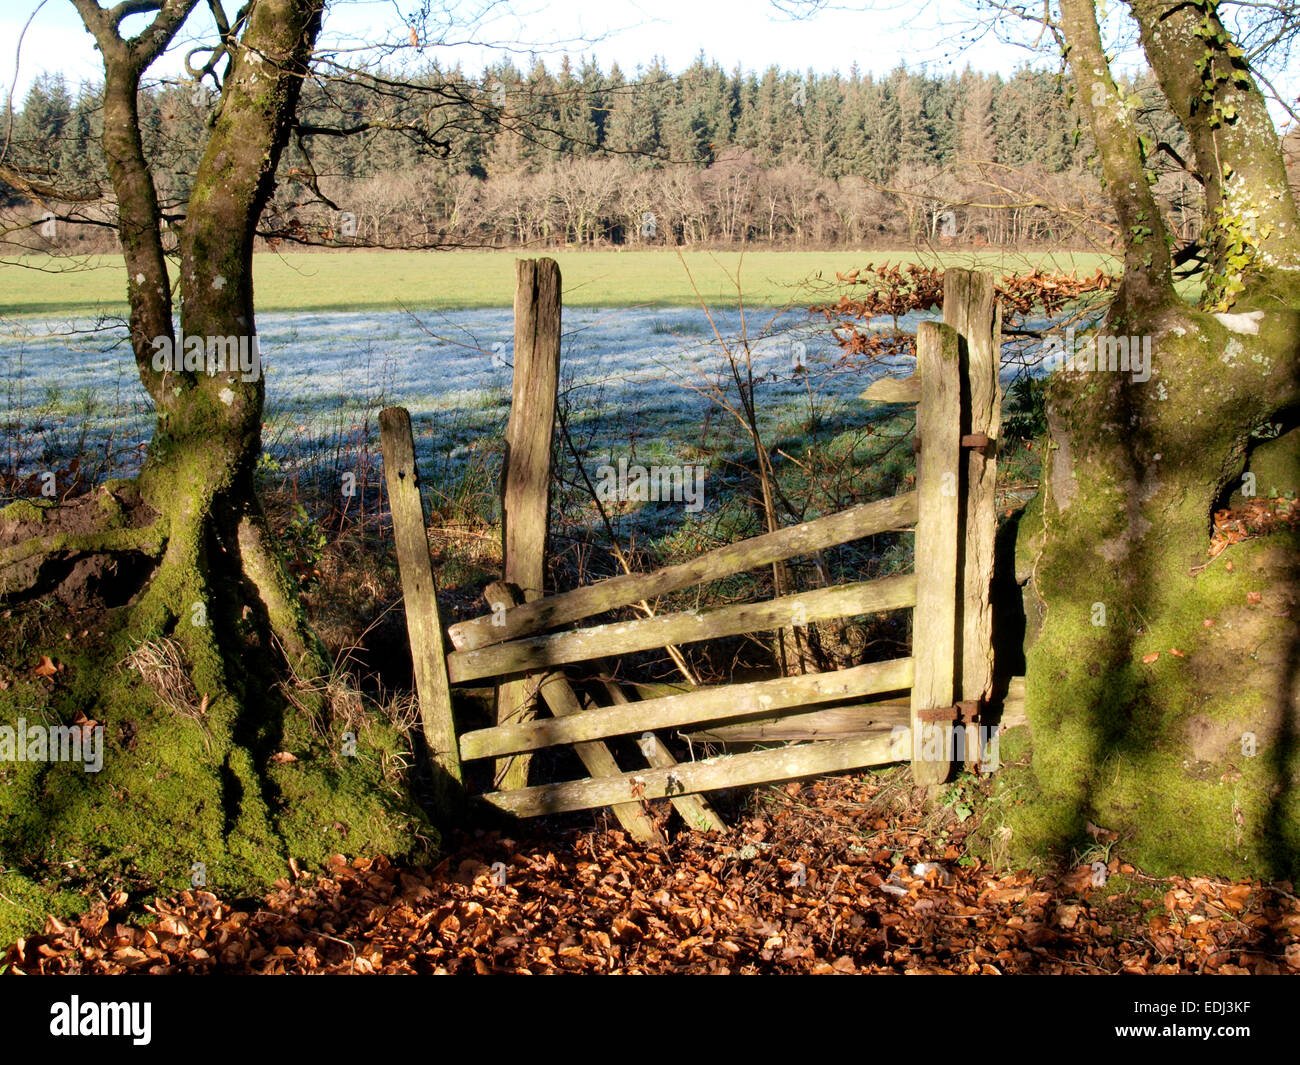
23,512
1156,751
1276,466
175,791
1029,537
331,797
113,511
24,904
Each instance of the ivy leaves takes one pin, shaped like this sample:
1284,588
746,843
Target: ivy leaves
1235,72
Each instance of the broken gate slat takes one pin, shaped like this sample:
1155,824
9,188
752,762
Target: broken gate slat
867,519
563,702
830,723
836,722
542,652
704,704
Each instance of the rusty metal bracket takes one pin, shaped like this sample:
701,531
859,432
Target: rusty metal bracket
966,712
973,441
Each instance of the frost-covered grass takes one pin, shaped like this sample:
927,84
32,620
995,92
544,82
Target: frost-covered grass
638,382
651,386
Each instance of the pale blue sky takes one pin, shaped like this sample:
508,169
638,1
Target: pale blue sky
941,35
750,32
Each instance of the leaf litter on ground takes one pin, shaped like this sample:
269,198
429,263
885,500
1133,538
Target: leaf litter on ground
823,877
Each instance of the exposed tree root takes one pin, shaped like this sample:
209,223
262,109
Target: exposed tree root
102,546
188,567
148,540
287,619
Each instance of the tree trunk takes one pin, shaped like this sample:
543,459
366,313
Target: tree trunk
193,785
1162,703
199,472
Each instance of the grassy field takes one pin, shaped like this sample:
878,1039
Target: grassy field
387,280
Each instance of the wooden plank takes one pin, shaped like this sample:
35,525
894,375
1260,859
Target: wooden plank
836,722
544,652
563,702
934,625
867,519
704,704
970,307
526,473
725,771
655,689
694,809
894,389
420,600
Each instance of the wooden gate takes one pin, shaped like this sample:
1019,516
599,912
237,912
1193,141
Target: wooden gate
905,709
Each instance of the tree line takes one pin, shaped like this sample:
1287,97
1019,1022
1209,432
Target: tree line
583,157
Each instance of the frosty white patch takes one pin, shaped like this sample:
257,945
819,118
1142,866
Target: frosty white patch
1242,323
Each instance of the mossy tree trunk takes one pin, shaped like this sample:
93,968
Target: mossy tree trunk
219,586
1134,472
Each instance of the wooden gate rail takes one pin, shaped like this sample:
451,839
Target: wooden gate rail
711,774
646,634
524,642
720,703
836,722
867,519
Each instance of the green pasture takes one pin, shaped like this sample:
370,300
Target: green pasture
386,280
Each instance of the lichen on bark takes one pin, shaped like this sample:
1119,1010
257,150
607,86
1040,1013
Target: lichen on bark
1140,723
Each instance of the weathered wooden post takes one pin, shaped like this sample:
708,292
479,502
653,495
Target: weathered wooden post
970,307
938,481
419,594
526,477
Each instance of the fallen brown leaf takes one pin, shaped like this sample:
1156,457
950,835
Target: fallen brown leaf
47,668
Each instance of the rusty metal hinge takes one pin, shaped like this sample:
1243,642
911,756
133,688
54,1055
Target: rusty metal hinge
966,712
